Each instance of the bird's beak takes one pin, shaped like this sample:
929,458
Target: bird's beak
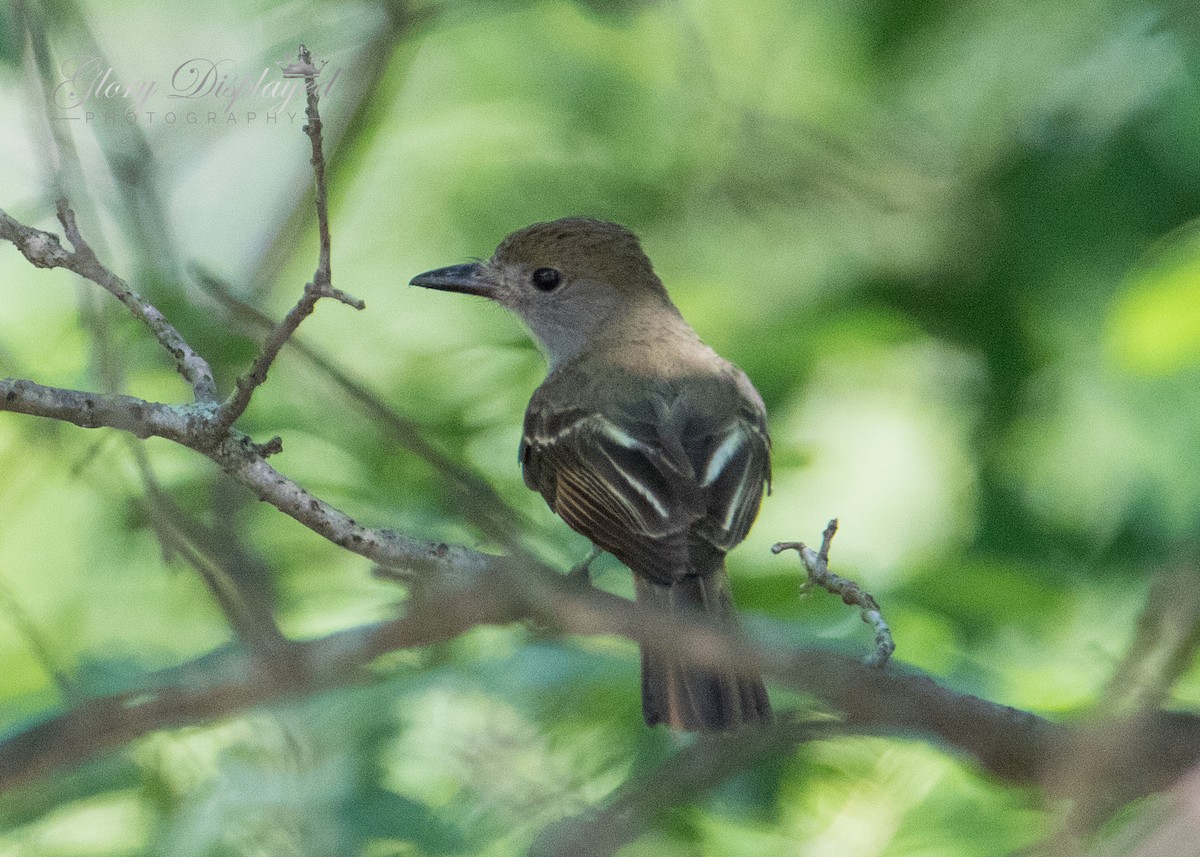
468,279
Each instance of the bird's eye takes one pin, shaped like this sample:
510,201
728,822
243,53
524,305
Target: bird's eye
546,279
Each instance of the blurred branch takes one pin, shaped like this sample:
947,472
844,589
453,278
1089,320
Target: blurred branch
1127,725
227,569
1013,745
680,779
37,643
123,145
229,681
1164,645
1176,827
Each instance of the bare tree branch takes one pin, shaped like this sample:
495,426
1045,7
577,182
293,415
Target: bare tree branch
232,680
1015,746
816,564
321,285
306,69
242,458
227,682
468,491
246,384
202,427
44,250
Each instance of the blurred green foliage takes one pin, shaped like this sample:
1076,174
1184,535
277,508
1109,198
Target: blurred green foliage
953,244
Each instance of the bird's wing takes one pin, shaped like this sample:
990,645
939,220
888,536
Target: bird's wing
614,481
732,468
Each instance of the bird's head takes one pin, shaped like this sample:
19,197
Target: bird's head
565,279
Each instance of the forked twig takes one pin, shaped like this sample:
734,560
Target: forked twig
44,250
321,284
816,563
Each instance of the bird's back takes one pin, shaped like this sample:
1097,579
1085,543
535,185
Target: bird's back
693,439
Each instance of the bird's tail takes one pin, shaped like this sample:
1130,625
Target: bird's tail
684,696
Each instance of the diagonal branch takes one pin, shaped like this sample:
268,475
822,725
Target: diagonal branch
240,457
468,491
44,250
228,681
246,384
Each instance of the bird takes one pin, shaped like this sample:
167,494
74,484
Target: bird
641,438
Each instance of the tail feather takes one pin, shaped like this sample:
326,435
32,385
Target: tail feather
684,696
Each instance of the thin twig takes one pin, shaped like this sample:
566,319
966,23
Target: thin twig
323,276
313,128
246,384
221,563
816,563
44,250
39,646
321,284
468,491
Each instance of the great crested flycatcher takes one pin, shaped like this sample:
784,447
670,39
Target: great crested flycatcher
641,438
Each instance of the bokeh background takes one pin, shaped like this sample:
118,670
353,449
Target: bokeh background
952,243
